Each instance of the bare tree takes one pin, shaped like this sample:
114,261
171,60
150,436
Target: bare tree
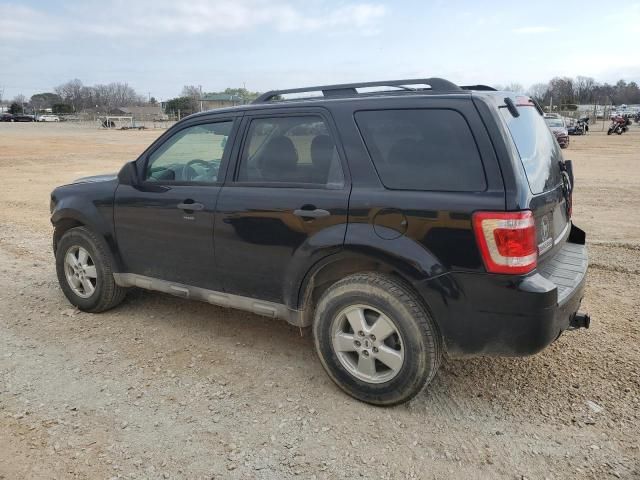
192,91
561,90
538,91
513,87
583,89
109,96
71,92
194,94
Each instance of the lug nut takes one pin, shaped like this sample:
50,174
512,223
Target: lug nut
361,333
357,343
375,349
365,353
373,338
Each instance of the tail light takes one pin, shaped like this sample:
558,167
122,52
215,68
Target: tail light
507,241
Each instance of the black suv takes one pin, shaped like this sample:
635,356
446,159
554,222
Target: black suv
400,220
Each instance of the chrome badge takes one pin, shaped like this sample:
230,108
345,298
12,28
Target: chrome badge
546,239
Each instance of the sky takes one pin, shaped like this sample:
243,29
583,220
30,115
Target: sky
157,46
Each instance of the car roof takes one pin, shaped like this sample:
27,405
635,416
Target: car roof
325,101
333,94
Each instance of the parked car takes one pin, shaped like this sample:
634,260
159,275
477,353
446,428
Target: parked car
48,118
559,130
398,225
21,117
6,117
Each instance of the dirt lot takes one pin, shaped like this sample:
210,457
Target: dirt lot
163,388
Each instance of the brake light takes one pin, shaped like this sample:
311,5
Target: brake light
507,241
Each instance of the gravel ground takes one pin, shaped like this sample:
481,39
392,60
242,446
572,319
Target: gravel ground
164,388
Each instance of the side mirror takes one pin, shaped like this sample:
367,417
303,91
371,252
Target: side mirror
128,174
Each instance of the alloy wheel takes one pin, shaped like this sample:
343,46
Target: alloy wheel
80,271
367,343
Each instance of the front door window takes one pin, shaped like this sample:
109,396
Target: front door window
192,155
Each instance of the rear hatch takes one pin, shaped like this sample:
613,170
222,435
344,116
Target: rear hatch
541,158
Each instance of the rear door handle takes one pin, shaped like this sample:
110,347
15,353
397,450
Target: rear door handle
317,213
191,206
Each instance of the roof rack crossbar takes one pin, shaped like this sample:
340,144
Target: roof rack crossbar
349,89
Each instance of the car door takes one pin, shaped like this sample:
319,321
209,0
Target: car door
284,205
164,224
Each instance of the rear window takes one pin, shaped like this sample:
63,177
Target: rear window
539,152
422,149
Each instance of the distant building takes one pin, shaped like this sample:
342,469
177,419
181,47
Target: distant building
144,112
210,101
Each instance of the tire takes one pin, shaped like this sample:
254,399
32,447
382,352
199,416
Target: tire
416,339
98,271
610,131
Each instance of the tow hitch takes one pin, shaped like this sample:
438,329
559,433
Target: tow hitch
580,320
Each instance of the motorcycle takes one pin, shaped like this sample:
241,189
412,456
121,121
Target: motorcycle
619,125
580,127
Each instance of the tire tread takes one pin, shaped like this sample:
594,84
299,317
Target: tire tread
418,310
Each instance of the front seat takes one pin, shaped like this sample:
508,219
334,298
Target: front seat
279,160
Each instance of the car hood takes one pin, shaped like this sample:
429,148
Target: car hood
106,177
558,130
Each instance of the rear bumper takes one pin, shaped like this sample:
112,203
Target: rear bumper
512,316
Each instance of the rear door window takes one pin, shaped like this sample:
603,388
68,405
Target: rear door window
422,149
293,150
539,152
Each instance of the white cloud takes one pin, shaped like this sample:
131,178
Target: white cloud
22,23
162,17
534,29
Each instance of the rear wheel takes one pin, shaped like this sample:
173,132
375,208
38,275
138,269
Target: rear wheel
375,339
85,271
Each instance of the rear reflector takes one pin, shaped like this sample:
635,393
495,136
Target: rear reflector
507,241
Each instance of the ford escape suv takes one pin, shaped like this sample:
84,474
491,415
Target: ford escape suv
400,220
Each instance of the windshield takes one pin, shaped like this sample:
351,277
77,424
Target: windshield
539,152
554,122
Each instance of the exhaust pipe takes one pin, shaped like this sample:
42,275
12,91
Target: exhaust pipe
580,320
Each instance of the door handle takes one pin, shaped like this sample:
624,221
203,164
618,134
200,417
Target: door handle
316,213
191,206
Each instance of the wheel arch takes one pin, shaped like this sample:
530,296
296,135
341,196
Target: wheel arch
65,219
333,268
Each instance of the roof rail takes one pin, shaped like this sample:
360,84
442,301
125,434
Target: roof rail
478,87
349,89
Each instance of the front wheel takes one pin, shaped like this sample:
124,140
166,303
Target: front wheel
375,339
85,271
